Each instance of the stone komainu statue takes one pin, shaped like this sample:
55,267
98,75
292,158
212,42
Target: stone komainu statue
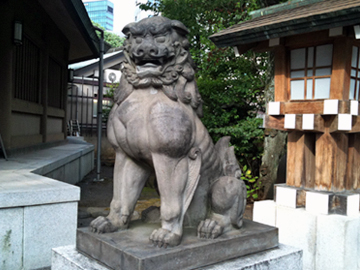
155,128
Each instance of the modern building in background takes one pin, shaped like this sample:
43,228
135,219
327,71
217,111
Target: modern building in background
101,12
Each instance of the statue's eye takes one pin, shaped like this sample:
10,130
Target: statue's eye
138,40
160,39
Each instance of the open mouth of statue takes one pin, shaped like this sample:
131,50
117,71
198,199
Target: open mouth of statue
145,66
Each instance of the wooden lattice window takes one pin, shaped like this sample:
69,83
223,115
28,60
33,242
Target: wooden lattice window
27,72
55,84
310,72
355,74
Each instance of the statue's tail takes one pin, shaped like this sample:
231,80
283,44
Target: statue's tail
227,156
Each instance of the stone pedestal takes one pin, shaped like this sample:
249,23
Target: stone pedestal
328,240
131,249
280,258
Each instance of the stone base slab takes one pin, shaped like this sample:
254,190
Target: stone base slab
131,249
281,258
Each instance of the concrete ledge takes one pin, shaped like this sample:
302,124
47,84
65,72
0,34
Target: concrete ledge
30,189
64,154
38,213
23,180
280,258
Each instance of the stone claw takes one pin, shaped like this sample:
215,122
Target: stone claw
209,229
163,238
102,225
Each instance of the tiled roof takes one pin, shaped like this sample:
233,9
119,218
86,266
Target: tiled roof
300,19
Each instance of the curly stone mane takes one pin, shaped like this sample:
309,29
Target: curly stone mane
157,55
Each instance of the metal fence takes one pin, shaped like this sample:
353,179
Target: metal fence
82,107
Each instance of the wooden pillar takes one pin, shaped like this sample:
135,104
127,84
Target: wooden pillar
353,165
301,159
331,161
340,79
280,74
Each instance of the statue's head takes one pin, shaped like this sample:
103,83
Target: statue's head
156,51
157,55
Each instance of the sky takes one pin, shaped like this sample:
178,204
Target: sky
124,13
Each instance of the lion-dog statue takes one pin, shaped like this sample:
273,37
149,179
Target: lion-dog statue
155,128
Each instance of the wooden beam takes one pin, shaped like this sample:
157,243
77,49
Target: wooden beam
307,39
275,122
315,107
278,122
344,106
319,124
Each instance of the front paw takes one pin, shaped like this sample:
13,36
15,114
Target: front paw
164,238
209,229
102,225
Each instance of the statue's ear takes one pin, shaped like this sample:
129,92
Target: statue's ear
179,27
126,29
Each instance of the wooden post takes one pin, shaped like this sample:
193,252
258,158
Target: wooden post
280,74
340,79
353,165
301,159
331,161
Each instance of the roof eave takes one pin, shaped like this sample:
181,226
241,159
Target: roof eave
287,28
80,15
72,20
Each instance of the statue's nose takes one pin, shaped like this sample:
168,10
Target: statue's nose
147,48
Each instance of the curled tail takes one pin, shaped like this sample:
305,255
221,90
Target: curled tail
227,157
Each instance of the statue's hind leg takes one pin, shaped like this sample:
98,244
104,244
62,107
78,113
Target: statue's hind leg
129,180
228,202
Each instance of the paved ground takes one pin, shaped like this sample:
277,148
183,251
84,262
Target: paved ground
96,197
